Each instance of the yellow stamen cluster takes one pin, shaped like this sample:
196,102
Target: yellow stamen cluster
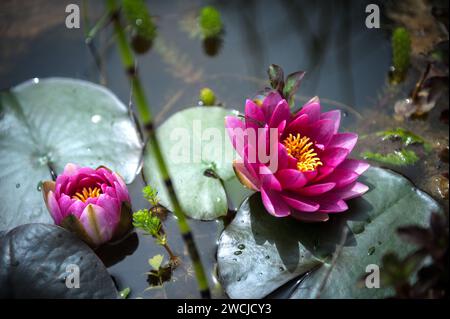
301,149
87,193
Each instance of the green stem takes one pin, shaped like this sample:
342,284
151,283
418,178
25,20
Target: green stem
127,57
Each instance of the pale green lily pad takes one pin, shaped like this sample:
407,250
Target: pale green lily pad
259,253
201,196
49,123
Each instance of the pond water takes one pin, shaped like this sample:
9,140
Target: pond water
347,67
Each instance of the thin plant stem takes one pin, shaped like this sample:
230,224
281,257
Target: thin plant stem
144,111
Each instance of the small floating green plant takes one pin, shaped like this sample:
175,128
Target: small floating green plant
401,52
398,158
210,22
149,221
403,156
207,97
143,29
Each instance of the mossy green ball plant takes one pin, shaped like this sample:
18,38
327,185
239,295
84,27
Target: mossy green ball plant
210,22
401,52
207,97
141,23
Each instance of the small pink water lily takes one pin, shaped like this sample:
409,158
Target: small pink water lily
313,176
94,203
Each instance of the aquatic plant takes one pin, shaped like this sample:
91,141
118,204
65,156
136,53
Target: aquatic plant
207,96
93,203
312,175
141,23
146,117
210,22
400,157
401,52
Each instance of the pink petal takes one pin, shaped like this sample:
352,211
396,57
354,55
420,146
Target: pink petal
236,132
76,208
96,224
64,204
281,113
245,177
312,109
353,190
357,166
335,116
268,179
274,204
300,203
341,177
344,140
112,209
297,124
53,208
316,189
291,178
334,156
269,103
330,206
321,132
253,115
70,169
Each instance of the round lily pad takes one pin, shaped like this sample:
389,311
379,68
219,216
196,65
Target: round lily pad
259,253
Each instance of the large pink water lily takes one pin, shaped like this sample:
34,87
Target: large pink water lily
94,203
313,176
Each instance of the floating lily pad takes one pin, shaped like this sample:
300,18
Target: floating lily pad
259,253
38,261
197,162
45,124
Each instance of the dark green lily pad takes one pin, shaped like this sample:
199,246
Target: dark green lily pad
197,180
35,261
46,124
259,253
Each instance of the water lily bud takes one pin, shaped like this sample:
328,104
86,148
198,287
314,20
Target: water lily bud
207,96
93,203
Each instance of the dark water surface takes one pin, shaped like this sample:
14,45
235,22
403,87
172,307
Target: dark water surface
347,67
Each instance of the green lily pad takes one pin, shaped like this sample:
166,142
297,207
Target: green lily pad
44,261
45,124
259,253
197,169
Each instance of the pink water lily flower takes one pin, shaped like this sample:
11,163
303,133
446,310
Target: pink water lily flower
313,176
94,203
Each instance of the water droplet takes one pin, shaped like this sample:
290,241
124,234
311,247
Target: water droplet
239,279
200,103
138,22
35,80
39,186
267,257
344,113
281,268
218,199
96,118
237,252
241,246
17,185
371,251
234,259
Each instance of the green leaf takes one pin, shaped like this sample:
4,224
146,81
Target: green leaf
259,253
49,123
292,85
156,261
38,260
192,155
276,77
